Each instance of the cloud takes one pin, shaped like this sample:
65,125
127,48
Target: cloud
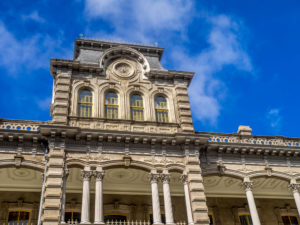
34,16
135,20
29,53
170,21
274,117
224,49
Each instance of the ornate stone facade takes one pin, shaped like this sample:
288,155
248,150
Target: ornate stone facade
121,145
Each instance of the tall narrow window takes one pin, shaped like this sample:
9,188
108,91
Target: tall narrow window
211,219
72,216
85,103
18,217
245,220
161,110
290,220
111,105
137,107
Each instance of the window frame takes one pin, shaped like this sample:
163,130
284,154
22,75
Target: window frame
245,214
73,211
137,107
290,215
212,217
161,109
19,212
85,103
111,105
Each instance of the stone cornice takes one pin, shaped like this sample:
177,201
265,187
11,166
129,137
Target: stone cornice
103,45
120,136
73,65
171,75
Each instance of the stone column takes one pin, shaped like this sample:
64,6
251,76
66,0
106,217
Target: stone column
294,187
252,207
99,175
85,210
63,200
165,177
154,177
187,199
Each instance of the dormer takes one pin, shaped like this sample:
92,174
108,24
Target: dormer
113,86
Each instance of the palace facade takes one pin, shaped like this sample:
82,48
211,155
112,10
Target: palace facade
121,147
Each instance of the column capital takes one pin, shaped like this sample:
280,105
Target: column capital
86,175
248,185
99,175
184,178
294,187
154,177
165,178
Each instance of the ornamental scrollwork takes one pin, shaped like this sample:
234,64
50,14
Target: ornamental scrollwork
86,175
99,175
154,177
294,187
248,185
165,178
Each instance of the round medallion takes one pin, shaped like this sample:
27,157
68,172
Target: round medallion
123,69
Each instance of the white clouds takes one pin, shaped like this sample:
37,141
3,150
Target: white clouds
30,53
169,21
135,20
34,16
224,49
274,117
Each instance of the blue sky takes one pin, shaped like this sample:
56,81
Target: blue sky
246,54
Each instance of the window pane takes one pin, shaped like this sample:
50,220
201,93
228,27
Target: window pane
250,220
111,98
85,103
13,218
244,220
85,96
111,105
161,110
68,216
160,103
137,108
24,218
211,221
294,220
136,101
77,216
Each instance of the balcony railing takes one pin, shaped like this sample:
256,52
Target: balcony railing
115,222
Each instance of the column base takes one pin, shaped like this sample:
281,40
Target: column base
85,222
158,224
170,223
99,223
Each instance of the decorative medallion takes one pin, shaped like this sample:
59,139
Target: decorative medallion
123,68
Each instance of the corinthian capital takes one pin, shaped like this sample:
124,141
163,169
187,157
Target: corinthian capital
99,175
86,174
165,177
248,185
184,178
294,187
154,177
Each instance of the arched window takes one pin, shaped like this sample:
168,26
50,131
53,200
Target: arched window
111,105
161,109
137,107
85,103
